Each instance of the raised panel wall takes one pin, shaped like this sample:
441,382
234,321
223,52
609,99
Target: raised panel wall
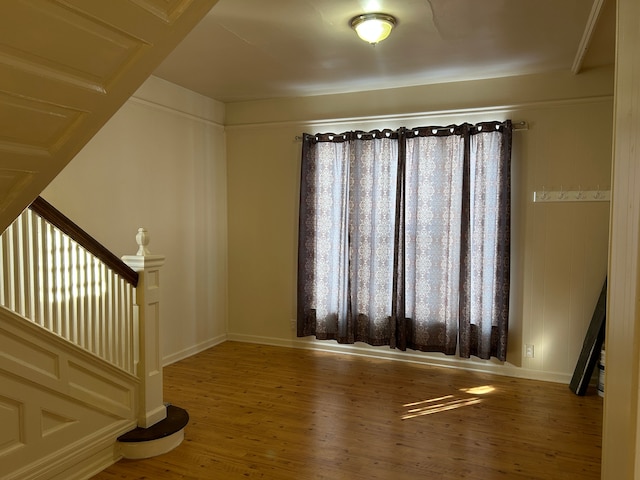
65,67
58,404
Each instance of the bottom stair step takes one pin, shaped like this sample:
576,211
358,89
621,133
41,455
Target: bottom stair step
160,438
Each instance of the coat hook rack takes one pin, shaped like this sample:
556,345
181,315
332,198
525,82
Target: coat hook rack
579,195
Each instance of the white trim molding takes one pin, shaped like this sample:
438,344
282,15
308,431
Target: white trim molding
432,359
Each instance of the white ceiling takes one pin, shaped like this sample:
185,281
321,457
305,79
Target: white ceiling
255,49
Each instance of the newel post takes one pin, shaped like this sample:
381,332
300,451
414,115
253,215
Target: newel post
147,303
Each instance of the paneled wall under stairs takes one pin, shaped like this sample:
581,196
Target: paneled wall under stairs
61,408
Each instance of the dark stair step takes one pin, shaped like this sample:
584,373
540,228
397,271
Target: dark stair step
177,419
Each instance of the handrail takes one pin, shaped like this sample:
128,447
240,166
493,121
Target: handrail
56,218
57,276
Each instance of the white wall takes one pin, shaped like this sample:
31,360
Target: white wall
160,163
559,250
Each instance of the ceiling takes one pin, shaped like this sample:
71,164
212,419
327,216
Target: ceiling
257,49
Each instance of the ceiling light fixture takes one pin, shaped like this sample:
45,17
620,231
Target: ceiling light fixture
373,27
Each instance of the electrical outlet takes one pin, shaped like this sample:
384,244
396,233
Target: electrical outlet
294,324
528,350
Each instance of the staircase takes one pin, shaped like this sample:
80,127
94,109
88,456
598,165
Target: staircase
80,376
75,375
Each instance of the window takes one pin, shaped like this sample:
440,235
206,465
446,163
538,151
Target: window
404,238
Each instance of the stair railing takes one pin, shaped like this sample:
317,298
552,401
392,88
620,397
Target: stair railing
59,277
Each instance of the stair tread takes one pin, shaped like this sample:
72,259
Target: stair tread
177,419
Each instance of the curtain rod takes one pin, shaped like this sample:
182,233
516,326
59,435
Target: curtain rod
517,126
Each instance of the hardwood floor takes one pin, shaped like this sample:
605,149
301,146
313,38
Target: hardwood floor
281,413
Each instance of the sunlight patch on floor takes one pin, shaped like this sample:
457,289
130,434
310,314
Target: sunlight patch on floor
446,403
483,390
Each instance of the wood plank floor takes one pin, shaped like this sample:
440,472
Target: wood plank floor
280,413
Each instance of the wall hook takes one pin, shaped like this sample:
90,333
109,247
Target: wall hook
544,195
598,195
562,195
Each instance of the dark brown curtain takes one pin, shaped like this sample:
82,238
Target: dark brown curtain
404,238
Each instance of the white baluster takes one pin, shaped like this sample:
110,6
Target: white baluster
119,320
63,280
103,331
73,293
47,310
36,266
81,294
56,322
15,270
6,272
89,302
18,256
110,318
28,265
125,321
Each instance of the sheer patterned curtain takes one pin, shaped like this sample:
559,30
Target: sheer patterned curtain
404,238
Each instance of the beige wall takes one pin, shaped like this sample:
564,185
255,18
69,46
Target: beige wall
159,163
560,250
165,162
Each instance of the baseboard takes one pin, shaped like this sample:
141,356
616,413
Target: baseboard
188,352
80,460
434,359
93,465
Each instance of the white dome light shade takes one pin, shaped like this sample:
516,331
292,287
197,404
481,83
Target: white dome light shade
373,27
